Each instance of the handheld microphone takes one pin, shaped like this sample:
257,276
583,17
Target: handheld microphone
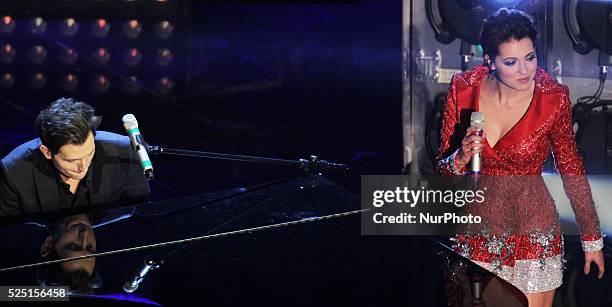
476,120
132,283
138,143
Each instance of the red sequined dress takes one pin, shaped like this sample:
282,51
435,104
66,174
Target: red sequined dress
522,243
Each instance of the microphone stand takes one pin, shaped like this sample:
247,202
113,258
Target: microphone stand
135,280
310,166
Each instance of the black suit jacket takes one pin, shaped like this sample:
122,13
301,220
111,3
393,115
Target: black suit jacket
28,181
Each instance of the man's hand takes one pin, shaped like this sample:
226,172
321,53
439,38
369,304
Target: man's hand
596,257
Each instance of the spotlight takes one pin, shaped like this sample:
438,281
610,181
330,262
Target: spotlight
38,54
132,57
100,56
7,25
69,27
507,3
100,84
164,57
38,80
461,19
7,54
494,5
7,80
100,27
163,29
132,28
69,83
132,85
68,56
595,23
38,25
165,85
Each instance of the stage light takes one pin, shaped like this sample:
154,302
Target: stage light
38,80
164,57
494,5
461,19
595,24
132,85
7,25
68,56
7,54
38,25
69,27
100,27
132,57
70,83
163,29
165,85
132,28
100,56
38,54
100,84
7,80
507,3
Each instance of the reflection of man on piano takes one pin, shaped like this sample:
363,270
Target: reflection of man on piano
73,236
70,165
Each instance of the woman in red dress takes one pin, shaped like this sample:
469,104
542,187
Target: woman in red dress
527,114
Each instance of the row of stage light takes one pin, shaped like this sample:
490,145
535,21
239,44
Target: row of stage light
74,51
99,84
100,27
101,56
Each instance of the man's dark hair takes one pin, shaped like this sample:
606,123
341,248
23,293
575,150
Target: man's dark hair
503,25
66,121
78,281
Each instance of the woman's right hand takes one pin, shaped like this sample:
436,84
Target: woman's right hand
470,145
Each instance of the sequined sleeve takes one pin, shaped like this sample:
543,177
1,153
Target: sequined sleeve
445,161
569,164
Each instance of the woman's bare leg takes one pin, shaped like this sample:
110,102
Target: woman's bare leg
543,299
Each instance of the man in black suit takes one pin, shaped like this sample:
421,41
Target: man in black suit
70,165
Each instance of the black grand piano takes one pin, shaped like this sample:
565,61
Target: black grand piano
292,241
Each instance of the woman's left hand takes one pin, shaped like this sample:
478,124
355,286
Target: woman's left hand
596,257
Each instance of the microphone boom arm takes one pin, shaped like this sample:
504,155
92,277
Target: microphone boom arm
310,166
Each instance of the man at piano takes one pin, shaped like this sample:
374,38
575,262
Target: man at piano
70,165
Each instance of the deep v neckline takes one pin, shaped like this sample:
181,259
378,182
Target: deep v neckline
514,127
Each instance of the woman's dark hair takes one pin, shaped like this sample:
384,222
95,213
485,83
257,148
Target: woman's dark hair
66,121
503,25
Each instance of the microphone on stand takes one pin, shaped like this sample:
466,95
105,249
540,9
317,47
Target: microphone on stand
477,121
134,281
138,143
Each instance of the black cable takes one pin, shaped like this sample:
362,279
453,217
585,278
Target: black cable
595,97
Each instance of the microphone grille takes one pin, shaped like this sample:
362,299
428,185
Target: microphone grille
477,120
129,287
129,121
